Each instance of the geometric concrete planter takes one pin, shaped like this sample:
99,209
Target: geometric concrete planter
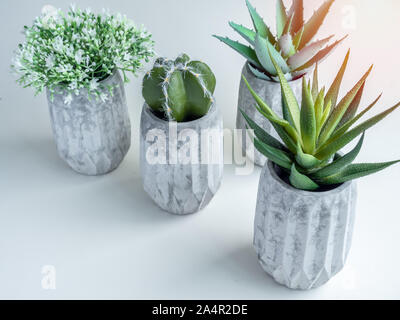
302,238
270,92
180,170
92,136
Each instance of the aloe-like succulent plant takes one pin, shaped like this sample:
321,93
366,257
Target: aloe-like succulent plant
181,90
314,133
291,47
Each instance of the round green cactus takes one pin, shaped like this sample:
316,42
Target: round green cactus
182,89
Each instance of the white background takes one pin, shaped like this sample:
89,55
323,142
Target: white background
107,239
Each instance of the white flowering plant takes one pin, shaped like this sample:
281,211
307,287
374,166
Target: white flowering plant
68,52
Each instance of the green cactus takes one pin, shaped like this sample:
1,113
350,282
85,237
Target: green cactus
181,90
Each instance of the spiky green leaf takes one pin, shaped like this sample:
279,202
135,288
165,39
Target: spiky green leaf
262,135
277,156
340,163
315,85
244,50
332,147
247,34
333,92
306,161
259,24
301,181
352,110
338,112
268,113
263,47
281,17
355,171
290,104
258,73
297,38
351,122
308,122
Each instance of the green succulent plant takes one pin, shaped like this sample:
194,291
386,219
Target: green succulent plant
314,133
181,90
291,47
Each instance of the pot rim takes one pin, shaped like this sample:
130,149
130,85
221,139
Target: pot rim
270,166
149,112
246,66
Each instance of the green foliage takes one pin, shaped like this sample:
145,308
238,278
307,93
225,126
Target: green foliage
182,89
291,48
314,133
71,51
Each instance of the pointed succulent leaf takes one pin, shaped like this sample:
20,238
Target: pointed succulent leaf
307,161
321,55
297,10
245,51
307,120
319,106
267,112
351,122
247,34
331,147
260,102
338,112
263,47
355,171
333,92
262,135
288,98
301,181
281,17
286,45
277,156
297,38
307,53
340,163
352,109
259,24
282,133
312,26
288,26
259,74
315,86
326,114
284,125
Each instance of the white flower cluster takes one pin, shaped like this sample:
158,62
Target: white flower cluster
67,52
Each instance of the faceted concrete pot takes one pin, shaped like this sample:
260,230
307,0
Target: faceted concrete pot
302,238
92,136
180,171
270,92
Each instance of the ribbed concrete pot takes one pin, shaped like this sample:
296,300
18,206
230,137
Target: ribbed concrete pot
175,170
92,136
302,238
270,92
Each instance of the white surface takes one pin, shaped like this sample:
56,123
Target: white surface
107,239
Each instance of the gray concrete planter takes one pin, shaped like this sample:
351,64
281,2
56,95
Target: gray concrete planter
92,136
179,171
302,238
270,92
